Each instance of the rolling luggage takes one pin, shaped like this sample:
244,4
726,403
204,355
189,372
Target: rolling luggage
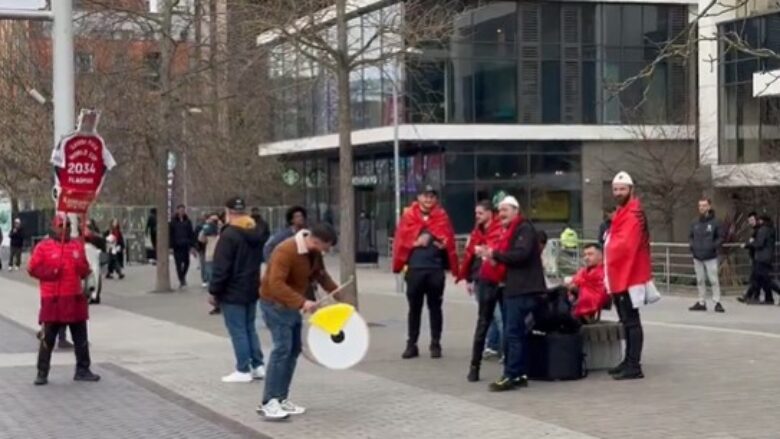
556,356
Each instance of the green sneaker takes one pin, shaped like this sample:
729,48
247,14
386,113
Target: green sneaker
502,385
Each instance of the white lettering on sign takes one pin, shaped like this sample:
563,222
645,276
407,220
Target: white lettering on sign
82,168
365,180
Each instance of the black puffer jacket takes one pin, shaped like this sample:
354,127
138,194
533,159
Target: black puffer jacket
706,237
182,232
236,267
763,244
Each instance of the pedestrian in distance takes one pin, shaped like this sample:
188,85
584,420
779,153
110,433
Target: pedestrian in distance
517,256
263,225
761,246
115,247
705,240
200,247
16,237
294,266
234,286
182,237
207,238
424,247
295,218
627,266
151,232
60,264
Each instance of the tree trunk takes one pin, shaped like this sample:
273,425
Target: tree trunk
346,191
161,146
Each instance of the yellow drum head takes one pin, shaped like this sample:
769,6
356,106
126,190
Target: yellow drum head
337,336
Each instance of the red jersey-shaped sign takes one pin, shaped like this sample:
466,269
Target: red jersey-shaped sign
81,161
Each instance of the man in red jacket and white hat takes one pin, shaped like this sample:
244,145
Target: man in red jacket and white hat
627,268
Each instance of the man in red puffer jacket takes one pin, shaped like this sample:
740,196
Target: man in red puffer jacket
60,264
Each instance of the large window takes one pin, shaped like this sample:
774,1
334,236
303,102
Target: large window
748,125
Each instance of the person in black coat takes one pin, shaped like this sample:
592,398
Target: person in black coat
762,249
234,287
524,286
182,236
17,243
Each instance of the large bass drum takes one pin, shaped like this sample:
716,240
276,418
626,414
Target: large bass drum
337,337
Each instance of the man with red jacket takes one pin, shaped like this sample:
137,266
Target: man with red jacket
588,284
424,245
60,264
626,268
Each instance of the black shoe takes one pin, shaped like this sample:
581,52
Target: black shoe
65,344
719,307
521,381
698,306
473,376
86,376
121,276
502,385
41,380
629,373
435,350
109,276
617,369
410,352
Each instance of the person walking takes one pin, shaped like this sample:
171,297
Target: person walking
115,247
16,238
207,238
182,242
705,240
424,246
627,265
234,286
487,292
295,218
296,263
263,226
60,264
517,253
151,233
200,248
762,247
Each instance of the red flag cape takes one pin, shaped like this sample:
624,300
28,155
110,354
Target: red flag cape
478,237
498,238
412,224
627,249
592,292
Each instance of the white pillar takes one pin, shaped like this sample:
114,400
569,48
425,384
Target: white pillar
63,68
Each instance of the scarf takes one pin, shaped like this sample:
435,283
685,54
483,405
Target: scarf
499,239
412,223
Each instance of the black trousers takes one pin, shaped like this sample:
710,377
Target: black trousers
632,327
80,345
181,258
425,285
761,279
488,297
15,258
115,264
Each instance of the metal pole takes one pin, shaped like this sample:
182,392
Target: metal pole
23,14
62,53
397,160
668,270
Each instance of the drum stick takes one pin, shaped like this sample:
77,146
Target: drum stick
337,290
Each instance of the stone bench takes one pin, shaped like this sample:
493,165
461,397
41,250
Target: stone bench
602,345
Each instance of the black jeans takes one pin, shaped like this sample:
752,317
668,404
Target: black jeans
422,285
632,327
80,345
181,258
761,279
15,259
488,297
115,264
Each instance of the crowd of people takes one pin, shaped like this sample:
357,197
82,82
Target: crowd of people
502,268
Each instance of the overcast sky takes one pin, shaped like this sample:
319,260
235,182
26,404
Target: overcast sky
22,4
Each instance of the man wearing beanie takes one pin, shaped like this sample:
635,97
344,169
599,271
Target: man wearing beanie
627,267
235,282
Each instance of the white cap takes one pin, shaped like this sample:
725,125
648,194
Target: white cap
622,177
509,201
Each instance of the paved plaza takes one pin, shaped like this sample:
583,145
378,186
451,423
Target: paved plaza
162,356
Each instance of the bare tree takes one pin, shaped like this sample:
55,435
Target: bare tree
321,34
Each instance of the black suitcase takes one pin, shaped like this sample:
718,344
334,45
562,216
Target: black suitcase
555,356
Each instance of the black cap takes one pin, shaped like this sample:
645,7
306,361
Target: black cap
429,189
236,203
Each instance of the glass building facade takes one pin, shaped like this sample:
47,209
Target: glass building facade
505,62
749,126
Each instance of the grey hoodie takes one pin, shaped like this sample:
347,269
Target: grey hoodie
706,237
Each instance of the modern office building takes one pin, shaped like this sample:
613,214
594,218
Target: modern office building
520,97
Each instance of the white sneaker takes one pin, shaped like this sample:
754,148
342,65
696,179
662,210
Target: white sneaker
259,373
204,285
291,408
273,411
238,377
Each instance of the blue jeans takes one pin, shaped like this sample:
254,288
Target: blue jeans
519,318
240,323
285,325
208,270
203,274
